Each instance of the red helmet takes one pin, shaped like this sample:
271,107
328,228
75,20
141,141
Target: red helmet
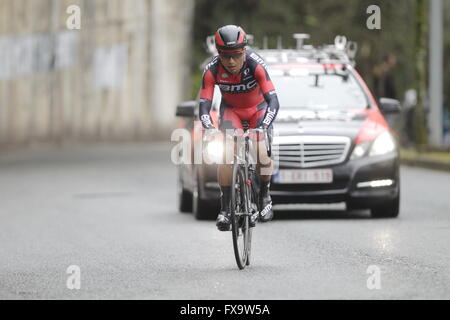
230,37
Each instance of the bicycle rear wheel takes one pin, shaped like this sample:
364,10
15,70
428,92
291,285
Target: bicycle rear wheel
240,217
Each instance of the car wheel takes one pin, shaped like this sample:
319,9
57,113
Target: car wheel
201,208
390,209
184,198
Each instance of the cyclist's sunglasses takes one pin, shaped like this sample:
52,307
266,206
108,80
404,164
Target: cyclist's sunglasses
228,56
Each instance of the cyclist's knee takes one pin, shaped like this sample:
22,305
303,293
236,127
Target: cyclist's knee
263,158
265,171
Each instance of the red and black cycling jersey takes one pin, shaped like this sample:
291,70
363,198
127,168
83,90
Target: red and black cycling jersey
248,93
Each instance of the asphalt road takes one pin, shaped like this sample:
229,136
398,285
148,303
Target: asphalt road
112,212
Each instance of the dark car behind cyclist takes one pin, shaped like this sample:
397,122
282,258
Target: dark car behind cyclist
247,95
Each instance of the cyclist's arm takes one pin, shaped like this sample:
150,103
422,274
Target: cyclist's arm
206,96
269,93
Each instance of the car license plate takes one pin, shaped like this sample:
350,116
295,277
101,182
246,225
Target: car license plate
304,176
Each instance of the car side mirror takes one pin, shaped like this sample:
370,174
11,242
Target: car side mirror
388,105
186,109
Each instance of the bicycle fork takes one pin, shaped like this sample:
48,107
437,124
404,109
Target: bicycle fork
251,195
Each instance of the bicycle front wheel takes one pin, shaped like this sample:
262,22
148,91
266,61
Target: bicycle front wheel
240,217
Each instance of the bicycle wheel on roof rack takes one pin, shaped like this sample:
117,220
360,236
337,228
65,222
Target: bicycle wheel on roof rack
240,217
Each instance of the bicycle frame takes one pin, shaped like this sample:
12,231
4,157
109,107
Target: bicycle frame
243,158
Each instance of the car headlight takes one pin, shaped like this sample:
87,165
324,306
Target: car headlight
383,144
360,150
214,151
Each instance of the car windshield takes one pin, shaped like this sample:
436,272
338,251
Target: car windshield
319,91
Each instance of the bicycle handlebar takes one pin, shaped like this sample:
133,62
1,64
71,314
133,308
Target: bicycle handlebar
240,133
247,133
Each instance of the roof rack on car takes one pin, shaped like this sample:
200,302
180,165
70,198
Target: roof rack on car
342,51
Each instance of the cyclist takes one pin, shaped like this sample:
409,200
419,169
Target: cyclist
247,94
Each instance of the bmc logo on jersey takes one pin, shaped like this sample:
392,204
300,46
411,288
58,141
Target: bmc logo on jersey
258,59
238,88
269,117
209,65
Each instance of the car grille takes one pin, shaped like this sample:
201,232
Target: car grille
309,151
